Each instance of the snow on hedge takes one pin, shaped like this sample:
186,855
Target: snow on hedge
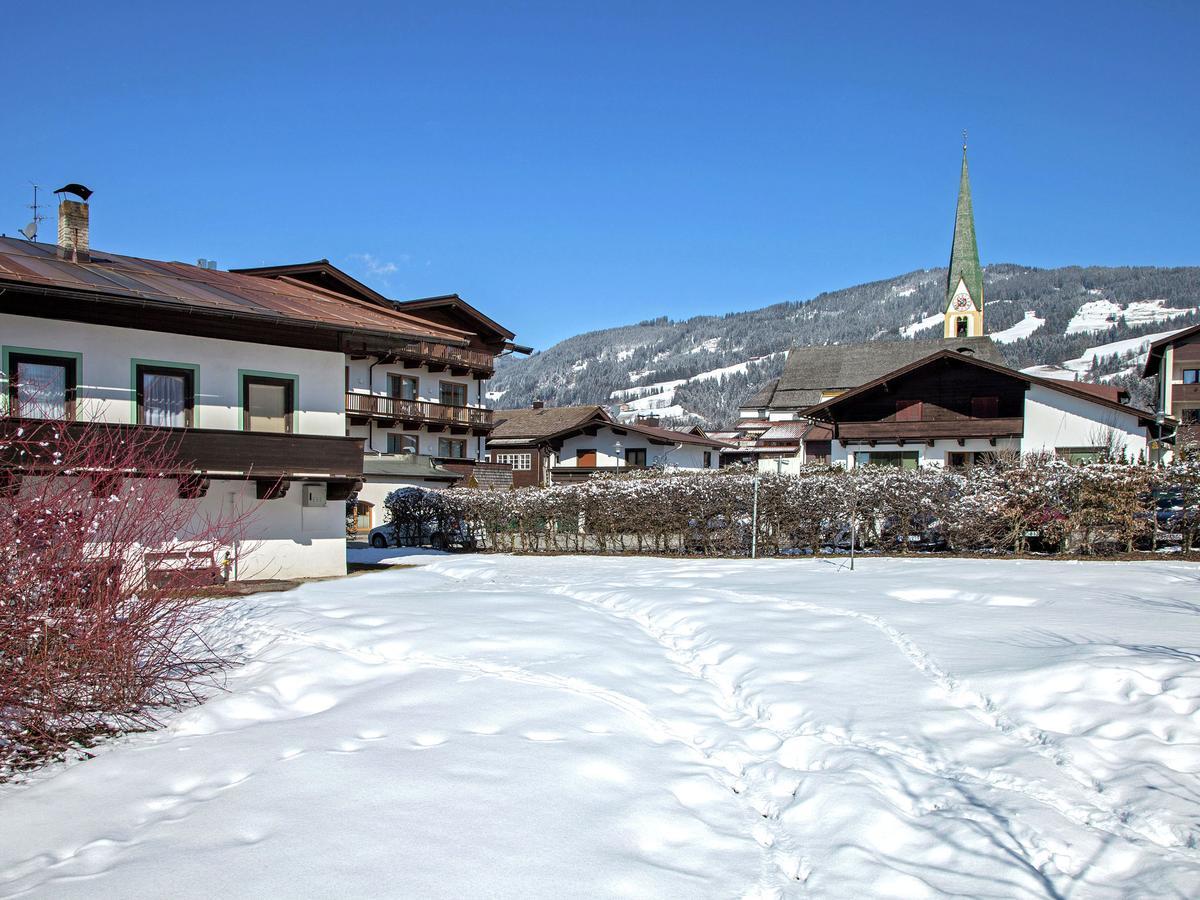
1097,507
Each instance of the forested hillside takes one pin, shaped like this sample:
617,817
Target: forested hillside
700,369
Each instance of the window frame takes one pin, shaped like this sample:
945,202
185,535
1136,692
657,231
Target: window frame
412,380
292,395
155,367
445,441
415,438
637,452
962,327
520,460
1189,415
70,362
1194,373
457,386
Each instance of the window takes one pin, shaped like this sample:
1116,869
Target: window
708,459
1190,416
985,407
166,395
42,386
967,460
402,387
908,410
585,458
268,403
962,327
1191,376
453,394
1079,454
452,449
900,459
521,462
403,443
634,457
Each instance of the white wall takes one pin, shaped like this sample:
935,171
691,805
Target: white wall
285,539
926,456
1054,419
106,390
367,381
689,456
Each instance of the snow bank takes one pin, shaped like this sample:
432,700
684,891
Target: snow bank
517,727
1023,329
1100,315
927,322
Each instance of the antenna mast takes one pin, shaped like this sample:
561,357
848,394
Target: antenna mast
30,231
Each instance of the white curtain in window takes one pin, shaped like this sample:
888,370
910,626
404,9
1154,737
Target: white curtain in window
164,399
41,390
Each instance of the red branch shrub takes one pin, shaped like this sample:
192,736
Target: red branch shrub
97,624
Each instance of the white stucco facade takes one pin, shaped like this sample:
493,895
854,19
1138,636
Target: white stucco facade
107,356
283,539
605,443
1056,421
361,377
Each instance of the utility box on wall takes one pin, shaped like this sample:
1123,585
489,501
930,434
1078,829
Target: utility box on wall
314,494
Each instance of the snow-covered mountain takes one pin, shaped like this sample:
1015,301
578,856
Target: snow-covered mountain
1090,323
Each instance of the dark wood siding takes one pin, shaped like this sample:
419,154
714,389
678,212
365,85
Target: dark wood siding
945,392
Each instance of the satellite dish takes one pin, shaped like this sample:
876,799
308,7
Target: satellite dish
30,231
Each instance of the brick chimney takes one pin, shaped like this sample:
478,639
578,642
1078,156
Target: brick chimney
538,404
73,231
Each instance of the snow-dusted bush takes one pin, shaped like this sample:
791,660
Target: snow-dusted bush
1014,504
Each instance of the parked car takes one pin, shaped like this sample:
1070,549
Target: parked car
424,522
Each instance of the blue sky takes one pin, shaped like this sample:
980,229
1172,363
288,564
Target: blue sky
568,165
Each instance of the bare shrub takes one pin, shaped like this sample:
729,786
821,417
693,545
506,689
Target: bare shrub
91,637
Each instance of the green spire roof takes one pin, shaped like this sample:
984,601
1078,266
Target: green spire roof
964,253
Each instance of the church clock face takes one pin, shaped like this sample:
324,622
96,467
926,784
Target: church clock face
962,303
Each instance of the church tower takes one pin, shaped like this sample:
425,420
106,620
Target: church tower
964,284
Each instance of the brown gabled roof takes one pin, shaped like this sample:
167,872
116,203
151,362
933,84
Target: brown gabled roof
176,285
1064,387
320,272
550,422
458,304
839,367
545,423
1155,354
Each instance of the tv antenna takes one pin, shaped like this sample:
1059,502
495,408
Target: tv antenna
30,231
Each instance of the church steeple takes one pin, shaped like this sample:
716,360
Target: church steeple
964,281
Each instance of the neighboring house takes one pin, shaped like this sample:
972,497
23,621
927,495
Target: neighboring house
1175,361
953,410
814,375
555,445
260,373
418,404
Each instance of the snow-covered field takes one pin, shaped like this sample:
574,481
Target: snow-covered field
581,727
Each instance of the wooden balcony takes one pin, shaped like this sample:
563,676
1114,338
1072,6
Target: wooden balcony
443,357
197,455
413,414
916,432
1185,393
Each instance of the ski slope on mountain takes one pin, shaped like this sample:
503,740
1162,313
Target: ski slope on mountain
582,727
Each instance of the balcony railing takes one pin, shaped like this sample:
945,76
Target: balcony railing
443,354
425,412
